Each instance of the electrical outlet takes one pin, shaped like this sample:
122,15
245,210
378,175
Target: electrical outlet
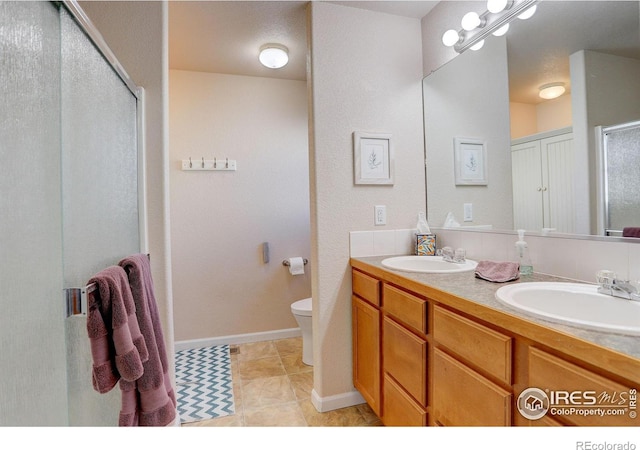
468,212
380,214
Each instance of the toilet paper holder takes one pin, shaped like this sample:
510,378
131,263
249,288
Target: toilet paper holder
286,262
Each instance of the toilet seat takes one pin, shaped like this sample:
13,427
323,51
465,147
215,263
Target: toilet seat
302,307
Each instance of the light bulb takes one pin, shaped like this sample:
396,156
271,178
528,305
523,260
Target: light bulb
528,13
495,6
470,21
450,38
477,46
501,31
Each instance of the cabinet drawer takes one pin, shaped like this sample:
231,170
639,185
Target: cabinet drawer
465,398
405,307
405,359
399,409
481,346
589,391
366,287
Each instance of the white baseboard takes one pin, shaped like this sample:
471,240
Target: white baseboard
324,404
238,339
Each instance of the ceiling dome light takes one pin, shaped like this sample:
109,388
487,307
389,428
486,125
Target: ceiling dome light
274,56
501,31
551,90
470,21
450,38
477,46
496,6
528,13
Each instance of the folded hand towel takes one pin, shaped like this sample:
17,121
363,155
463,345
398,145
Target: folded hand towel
631,232
498,272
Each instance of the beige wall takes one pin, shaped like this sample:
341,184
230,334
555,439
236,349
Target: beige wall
455,107
219,220
366,71
527,119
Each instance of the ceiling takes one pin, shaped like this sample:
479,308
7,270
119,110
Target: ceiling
225,36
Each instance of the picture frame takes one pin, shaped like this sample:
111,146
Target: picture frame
470,161
373,159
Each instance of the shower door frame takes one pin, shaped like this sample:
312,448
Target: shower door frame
74,357
602,177
98,41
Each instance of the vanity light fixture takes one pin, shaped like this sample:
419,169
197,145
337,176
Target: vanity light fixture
274,56
476,27
496,6
551,90
470,21
528,13
501,31
477,46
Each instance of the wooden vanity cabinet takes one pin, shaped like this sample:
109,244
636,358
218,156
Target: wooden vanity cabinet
365,317
423,361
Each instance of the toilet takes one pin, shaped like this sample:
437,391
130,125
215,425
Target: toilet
302,312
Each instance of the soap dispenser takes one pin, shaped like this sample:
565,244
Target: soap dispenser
526,267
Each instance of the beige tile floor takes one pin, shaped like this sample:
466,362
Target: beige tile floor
272,387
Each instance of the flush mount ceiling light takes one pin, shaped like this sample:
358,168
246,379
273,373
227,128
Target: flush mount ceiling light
551,90
274,56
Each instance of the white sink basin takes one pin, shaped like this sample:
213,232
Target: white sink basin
574,304
427,264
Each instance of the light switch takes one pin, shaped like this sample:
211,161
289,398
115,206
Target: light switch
468,212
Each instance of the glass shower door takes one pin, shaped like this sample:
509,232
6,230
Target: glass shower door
620,160
99,197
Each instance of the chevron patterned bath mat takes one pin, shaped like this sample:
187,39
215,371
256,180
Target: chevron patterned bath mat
203,383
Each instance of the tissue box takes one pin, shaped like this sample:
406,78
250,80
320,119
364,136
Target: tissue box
425,244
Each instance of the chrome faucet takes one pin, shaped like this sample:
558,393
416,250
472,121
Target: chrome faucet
609,284
449,255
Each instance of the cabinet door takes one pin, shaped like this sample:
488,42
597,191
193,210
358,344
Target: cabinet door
526,175
462,397
557,181
366,352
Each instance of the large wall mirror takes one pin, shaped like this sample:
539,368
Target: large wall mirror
552,165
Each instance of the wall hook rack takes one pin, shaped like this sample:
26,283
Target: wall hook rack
210,164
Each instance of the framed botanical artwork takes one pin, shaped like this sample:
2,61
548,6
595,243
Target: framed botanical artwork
372,158
470,163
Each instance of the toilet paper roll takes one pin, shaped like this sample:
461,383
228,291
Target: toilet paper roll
296,266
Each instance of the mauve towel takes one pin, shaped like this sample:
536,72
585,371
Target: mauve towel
631,232
150,400
117,346
498,272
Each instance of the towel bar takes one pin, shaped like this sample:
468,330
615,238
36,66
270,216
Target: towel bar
76,299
